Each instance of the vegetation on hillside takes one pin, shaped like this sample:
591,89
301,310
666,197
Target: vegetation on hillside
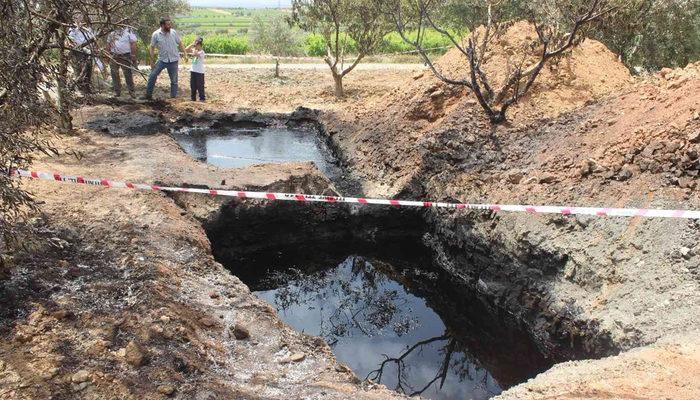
231,29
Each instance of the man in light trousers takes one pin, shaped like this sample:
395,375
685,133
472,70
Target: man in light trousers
167,41
122,47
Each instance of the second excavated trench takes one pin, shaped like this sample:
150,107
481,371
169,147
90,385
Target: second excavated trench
414,299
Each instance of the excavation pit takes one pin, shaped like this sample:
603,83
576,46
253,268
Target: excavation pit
363,281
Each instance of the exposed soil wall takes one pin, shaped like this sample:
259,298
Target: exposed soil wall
253,239
637,148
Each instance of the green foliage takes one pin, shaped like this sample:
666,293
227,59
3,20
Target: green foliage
208,20
469,14
221,44
430,40
349,26
142,50
337,21
647,34
650,34
315,45
275,36
147,15
241,23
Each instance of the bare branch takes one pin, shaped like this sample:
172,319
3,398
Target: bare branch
519,77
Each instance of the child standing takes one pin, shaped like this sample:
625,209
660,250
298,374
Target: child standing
197,69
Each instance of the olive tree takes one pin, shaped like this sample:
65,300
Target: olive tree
652,34
559,26
343,23
37,91
275,36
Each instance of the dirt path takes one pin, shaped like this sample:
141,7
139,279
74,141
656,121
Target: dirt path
322,67
257,89
309,66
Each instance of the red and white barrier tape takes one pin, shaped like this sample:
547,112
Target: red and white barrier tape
563,210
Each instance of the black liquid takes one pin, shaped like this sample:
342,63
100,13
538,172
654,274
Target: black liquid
362,279
379,328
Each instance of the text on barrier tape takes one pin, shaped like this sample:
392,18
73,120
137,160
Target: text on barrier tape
563,210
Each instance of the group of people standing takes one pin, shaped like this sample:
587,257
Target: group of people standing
121,51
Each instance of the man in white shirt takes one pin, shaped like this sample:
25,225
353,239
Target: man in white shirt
82,38
167,41
122,48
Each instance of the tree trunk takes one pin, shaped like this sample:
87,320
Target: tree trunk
277,68
65,122
339,92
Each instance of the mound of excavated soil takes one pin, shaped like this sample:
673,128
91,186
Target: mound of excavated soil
589,71
385,133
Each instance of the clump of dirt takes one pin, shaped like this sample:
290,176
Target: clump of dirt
678,77
670,364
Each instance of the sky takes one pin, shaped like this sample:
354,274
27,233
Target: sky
240,3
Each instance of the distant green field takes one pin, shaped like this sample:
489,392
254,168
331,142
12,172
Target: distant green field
226,31
235,21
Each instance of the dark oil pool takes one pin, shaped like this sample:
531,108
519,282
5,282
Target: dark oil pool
376,324
241,147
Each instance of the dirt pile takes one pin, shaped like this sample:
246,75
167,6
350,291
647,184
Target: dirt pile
676,78
588,72
650,134
391,137
664,364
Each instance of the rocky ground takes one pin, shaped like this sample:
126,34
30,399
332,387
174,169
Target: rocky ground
123,299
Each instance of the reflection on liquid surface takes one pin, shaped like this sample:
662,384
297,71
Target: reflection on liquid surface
234,148
376,326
